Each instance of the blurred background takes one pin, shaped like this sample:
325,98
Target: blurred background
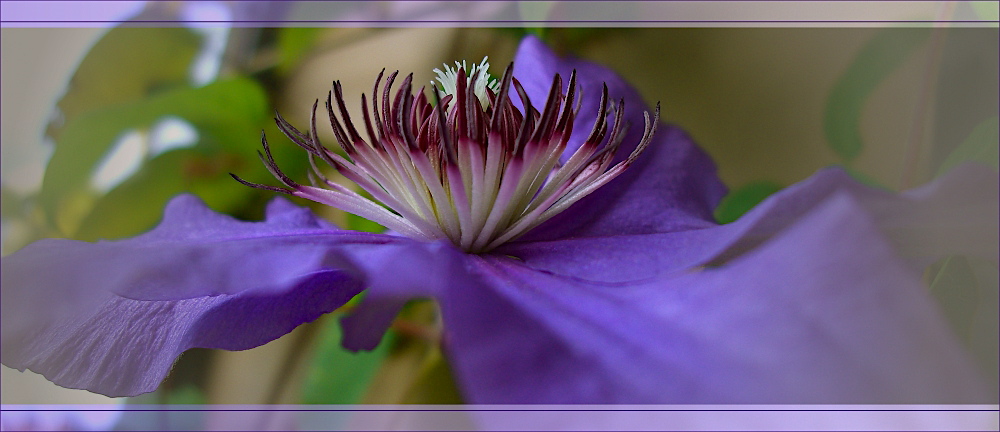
101,126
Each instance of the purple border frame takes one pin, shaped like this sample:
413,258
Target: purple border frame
50,13
558,417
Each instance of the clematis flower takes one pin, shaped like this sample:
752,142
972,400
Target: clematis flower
567,269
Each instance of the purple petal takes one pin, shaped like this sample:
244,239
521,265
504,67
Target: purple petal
193,252
127,347
364,328
672,186
113,316
956,214
824,312
396,274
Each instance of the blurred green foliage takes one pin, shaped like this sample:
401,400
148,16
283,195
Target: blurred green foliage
966,290
878,58
435,385
863,178
741,200
130,80
226,115
293,44
10,202
982,145
338,376
125,65
187,395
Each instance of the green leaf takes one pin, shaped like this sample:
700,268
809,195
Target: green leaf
740,201
125,65
982,145
136,205
966,290
186,395
878,58
435,385
338,376
229,112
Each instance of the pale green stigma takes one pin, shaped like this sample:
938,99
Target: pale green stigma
477,73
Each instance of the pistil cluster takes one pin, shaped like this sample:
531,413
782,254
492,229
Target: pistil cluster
466,165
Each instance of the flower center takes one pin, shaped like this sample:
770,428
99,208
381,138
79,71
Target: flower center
467,166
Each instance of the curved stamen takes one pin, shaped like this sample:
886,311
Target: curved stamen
465,165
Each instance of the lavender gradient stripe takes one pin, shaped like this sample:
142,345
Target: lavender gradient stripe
508,13
568,417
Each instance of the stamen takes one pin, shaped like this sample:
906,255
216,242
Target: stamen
445,167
